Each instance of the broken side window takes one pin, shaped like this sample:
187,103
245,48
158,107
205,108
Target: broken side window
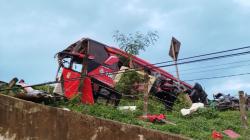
77,67
66,62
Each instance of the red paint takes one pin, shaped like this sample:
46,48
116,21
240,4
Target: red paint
142,62
70,85
111,60
153,118
103,74
217,135
87,96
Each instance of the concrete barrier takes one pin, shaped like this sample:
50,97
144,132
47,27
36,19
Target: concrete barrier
23,120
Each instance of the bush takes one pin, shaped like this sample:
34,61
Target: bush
127,81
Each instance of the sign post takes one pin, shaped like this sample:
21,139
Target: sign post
174,52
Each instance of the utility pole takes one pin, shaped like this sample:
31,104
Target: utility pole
146,83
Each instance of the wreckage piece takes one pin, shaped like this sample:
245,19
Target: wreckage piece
10,88
37,96
2,83
224,102
168,91
42,98
156,118
127,108
102,93
98,66
217,135
29,90
26,92
193,108
12,82
231,134
100,62
247,101
198,94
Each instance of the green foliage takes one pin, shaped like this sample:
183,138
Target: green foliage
127,81
15,90
199,125
180,102
133,43
46,88
124,60
207,113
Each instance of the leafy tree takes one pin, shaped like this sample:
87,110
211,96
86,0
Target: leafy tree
133,43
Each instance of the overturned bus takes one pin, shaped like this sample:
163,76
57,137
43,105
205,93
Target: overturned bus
101,64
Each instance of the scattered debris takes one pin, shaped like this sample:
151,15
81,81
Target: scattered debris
217,135
161,118
231,134
30,91
223,102
2,83
247,101
66,109
131,108
198,94
193,108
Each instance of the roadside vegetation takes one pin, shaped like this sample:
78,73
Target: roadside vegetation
198,125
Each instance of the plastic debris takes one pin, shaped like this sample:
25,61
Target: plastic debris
131,108
30,91
217,135
193,108
161,118
231,134
66,109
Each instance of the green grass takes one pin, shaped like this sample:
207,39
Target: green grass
198,126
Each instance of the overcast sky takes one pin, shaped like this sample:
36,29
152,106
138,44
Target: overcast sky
32,32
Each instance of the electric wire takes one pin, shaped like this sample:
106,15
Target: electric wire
214,65
223,68
217,77
207,59
139,69
207,54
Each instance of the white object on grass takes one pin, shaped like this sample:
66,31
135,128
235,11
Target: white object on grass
193,108
131,108
30,91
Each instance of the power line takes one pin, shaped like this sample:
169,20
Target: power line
207,54
207,59
180,63
216,65
216,77
194,72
